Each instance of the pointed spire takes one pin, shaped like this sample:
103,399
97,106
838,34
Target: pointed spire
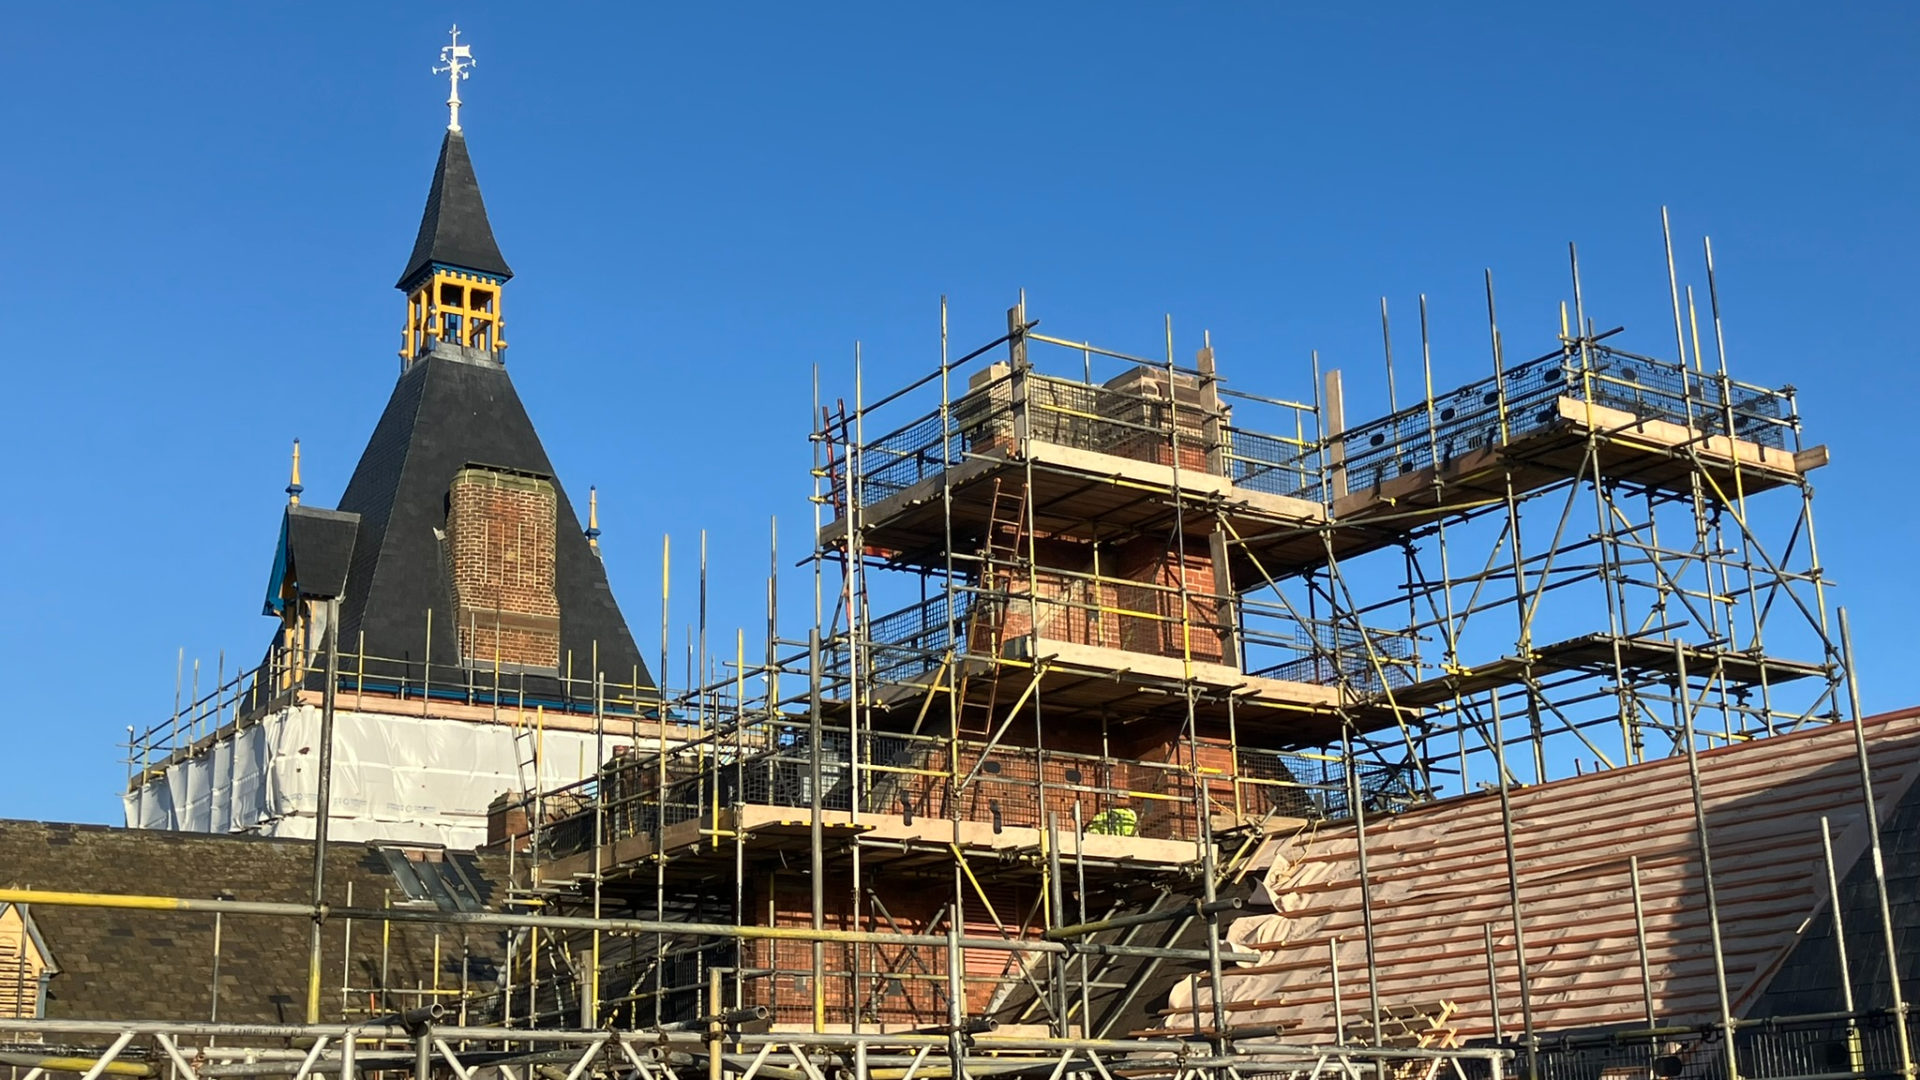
593,518
454,230
294,487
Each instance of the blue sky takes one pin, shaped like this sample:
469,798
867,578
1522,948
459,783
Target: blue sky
206,208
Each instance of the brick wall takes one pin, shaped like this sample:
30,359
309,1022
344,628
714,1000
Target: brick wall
1133,605
1153,562
1016,786
1153,422
1166,767
500,553
896,986
508,820
1130,416
1005,789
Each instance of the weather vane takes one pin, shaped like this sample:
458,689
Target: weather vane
456,63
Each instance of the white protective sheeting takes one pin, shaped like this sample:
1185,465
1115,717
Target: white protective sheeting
407,778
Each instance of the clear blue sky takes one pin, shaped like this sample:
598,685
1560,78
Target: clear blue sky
205,209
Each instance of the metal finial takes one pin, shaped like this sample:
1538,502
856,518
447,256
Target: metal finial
294,487
456,63
593,516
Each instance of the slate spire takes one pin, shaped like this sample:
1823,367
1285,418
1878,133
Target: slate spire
456,553
454,231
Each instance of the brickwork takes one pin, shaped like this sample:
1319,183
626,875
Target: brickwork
1014,786
897,987
1158,447
985,414
1134,604
1130,416
1166,762
508,820
500,549
1152,562
1154,425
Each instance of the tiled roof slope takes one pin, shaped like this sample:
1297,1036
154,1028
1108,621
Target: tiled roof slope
152,965
1439,878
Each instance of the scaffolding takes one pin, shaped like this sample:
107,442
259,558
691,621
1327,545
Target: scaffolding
1089,629
204,767
1091,625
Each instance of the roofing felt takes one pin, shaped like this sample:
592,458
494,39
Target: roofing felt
1438,880
159,965
454,230
448,411
1809,980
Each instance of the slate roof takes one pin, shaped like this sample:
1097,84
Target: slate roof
316,546
454,230
155,965
450,409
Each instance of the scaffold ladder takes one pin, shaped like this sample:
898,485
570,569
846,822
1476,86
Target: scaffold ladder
832,421
529,737
1002,557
